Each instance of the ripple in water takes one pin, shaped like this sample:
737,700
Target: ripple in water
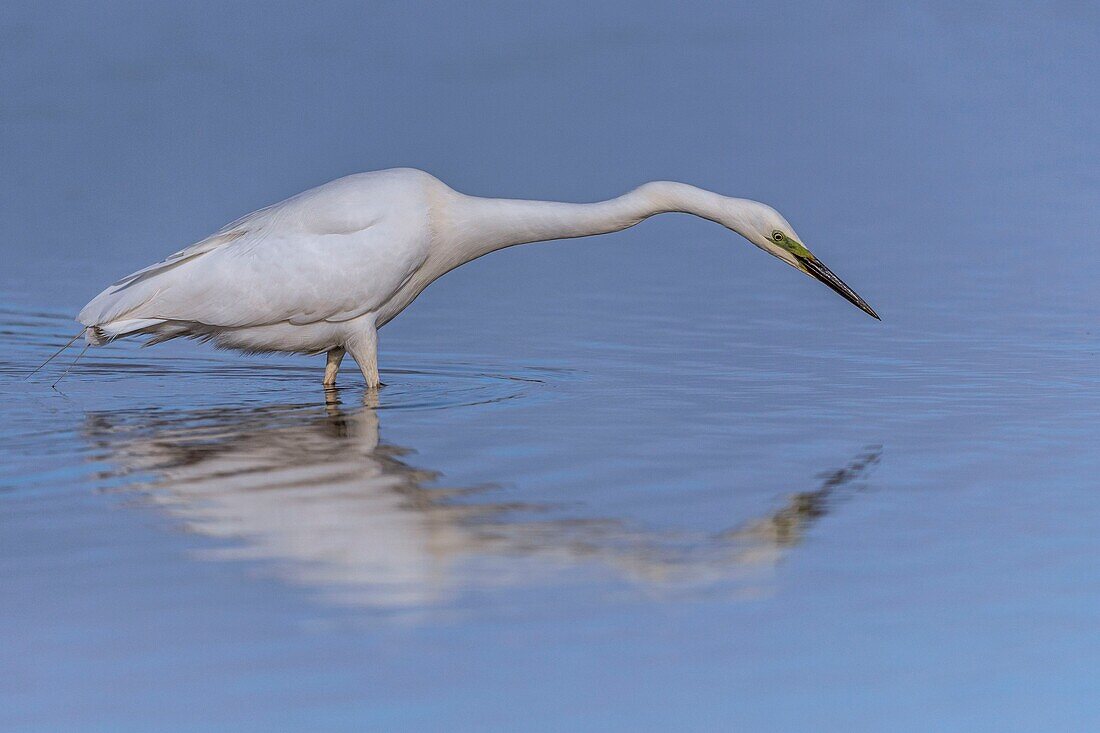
413,381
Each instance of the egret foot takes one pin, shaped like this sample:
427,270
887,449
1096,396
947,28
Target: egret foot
333,366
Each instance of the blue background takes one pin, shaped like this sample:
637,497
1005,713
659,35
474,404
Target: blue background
611,428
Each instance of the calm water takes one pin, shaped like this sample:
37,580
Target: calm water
653,481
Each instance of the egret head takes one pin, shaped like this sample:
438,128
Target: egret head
767,229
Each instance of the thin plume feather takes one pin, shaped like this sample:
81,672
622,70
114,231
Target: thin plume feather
55,354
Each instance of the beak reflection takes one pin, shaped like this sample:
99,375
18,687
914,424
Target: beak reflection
815,268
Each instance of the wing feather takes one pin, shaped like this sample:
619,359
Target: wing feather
334,252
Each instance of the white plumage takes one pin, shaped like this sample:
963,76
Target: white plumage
323,270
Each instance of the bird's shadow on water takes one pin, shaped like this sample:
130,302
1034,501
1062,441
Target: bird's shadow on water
312,493
316,496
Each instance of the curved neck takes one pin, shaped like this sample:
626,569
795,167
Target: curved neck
477,226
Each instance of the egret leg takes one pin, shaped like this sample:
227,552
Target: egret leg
334,358
363,347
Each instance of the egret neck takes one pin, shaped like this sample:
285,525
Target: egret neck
477,226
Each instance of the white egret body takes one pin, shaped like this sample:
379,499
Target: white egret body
322,271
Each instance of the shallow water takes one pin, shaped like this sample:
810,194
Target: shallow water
655,481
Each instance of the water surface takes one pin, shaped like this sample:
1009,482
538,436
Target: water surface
653,481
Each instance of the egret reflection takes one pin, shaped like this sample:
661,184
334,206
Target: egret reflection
315,495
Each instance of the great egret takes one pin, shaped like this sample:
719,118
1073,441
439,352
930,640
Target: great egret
324,270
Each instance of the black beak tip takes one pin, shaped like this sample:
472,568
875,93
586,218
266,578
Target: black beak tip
816,269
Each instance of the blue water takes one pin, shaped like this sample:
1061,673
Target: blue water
649,481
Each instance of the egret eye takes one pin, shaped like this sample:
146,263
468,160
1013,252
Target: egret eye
777,235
